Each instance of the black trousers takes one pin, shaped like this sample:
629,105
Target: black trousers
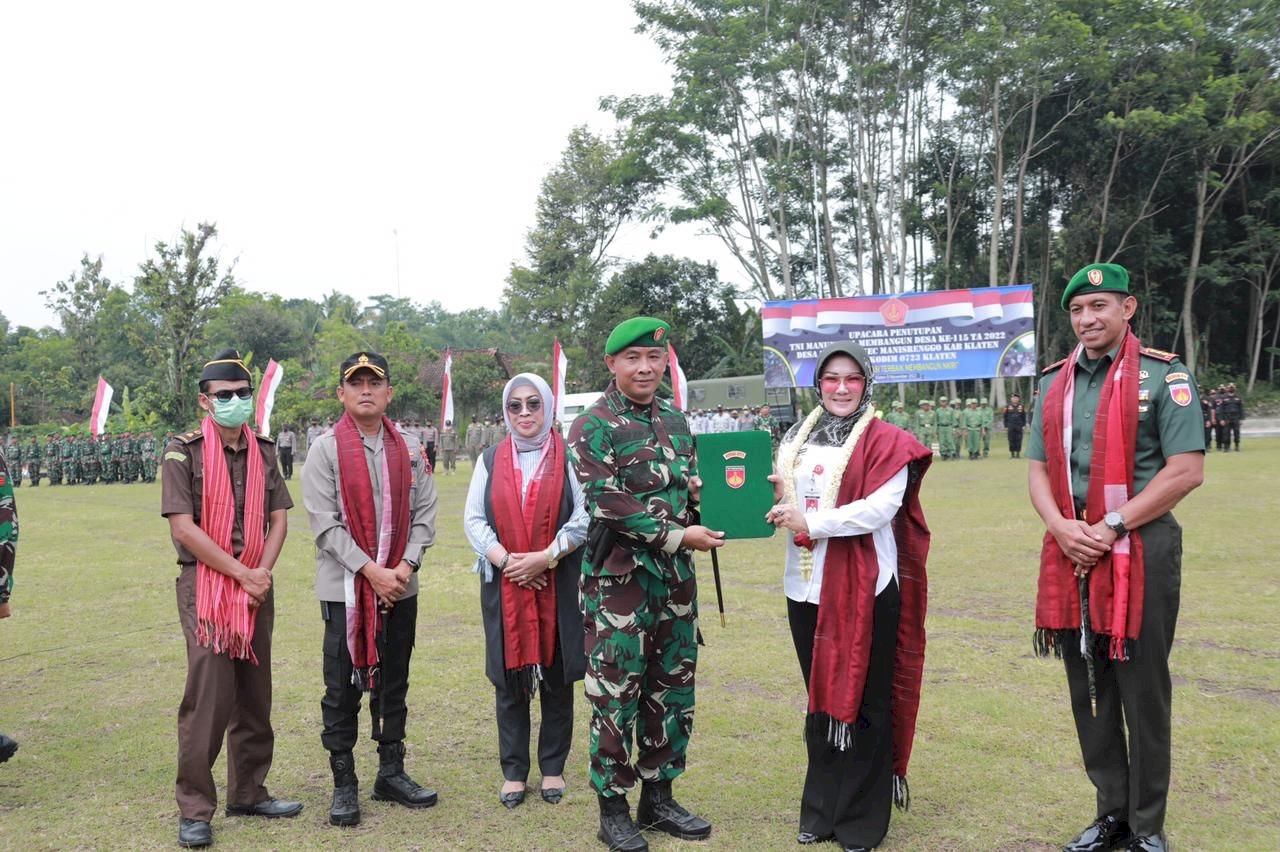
431,455
286,462
850,793
341,703
1131,774
555,732
1015,440
1232,433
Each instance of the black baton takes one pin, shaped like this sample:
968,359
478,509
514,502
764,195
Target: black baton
715,571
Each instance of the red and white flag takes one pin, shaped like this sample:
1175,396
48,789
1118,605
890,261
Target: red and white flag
267,395
446,393
679,389
101,407
559,366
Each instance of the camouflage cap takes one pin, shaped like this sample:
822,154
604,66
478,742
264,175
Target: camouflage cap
1097,277
637,331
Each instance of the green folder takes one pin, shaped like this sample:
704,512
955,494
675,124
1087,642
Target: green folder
736,491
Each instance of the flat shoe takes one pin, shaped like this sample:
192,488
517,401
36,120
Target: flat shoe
267,808
513,800
552,795
805,838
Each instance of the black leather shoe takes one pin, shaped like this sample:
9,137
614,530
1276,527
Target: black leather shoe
552,795
512,800
659,810
8,745
805,838
394,785
345,808
194,833
617,831
1149,843
1104,833
269,808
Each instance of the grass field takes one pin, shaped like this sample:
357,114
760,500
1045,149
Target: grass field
92,666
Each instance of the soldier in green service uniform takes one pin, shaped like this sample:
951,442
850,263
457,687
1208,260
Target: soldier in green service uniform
945,421
34,459
765,423
926,424
988,423
898,417
634,455
13,457
1116,442
972,423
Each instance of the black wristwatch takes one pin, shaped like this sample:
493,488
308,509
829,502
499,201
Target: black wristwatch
413,563
1115,523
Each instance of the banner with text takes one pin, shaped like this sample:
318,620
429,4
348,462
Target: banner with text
932,336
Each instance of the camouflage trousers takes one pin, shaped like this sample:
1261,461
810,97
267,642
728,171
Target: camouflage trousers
642,650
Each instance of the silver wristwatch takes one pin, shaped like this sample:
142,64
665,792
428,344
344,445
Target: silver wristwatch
1115,523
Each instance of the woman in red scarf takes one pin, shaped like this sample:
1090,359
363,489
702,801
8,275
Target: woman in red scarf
848,487
526,520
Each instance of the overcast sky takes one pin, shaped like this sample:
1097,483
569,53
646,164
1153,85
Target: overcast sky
311,133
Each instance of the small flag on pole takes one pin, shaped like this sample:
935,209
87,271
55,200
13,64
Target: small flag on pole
267,395
679,389
101,407
560,366
446,393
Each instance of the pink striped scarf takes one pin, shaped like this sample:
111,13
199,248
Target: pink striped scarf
224,619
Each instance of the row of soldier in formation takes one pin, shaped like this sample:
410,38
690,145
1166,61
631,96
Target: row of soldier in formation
1223,412
707,422
84,460
957,428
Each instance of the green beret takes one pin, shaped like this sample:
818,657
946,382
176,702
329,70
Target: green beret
637,331
1097,277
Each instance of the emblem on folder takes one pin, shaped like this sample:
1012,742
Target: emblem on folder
735,475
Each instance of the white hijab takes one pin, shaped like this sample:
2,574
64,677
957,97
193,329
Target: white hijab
524,445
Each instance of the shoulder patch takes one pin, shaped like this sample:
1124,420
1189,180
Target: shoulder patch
174,455
1158,354
1054,366
1176,377
189,437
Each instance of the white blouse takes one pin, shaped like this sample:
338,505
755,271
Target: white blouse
872,515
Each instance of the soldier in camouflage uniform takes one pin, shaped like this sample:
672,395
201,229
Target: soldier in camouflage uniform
898,417
634,455
132,457
34,458
8,548
53,457
89,453
147,451
106,469
13,457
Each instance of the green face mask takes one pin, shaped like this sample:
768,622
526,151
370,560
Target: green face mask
232,413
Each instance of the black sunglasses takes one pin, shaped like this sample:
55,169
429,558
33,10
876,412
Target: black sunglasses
225,395
533,404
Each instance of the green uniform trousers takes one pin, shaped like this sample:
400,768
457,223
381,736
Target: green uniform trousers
642,650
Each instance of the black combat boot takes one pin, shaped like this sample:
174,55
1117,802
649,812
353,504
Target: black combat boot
345,809
8,747
617,831
393,785
659,810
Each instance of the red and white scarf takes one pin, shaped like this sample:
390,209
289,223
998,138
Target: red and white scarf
224,619
1116,581
384,542
526,525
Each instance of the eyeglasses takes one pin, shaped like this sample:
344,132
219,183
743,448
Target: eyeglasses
225,395
831,384
532,404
